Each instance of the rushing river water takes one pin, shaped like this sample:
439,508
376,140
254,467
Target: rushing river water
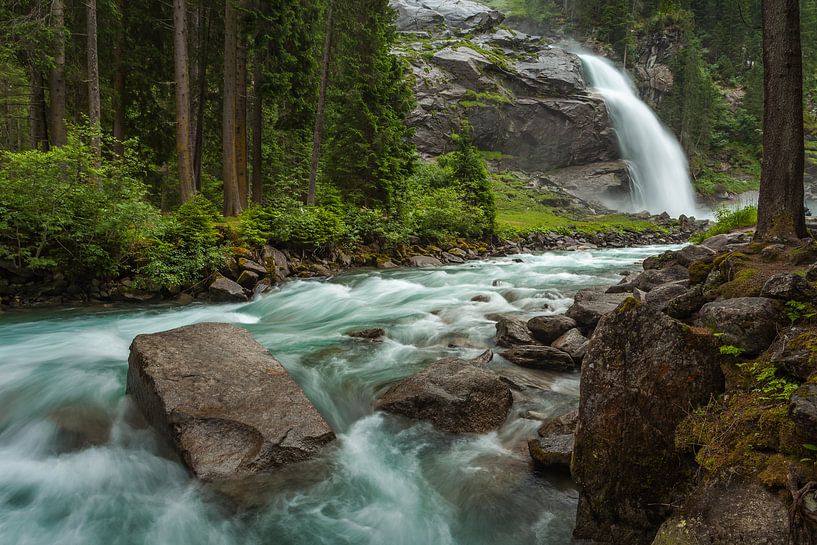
76,466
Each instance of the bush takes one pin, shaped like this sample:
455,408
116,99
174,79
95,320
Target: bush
61,212
312,226
728,221
183,248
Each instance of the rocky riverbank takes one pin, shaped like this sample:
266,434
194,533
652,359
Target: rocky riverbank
251,271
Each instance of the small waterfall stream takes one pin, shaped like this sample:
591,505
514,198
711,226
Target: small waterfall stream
658,166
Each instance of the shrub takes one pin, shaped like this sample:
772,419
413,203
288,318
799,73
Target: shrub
729,220
60,211
312,226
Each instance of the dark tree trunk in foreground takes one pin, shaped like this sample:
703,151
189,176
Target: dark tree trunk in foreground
319,113
781,211
184,152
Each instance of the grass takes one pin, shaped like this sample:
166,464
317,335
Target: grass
711,183
521,8
728,221
522,210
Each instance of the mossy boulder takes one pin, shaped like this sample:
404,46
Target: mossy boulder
626,463
749,323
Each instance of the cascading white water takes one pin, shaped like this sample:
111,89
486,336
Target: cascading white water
658,166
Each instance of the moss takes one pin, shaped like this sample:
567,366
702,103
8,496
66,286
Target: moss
698,271
804,254
677,532
628,305
745,283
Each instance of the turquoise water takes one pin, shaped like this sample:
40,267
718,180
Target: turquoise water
77,466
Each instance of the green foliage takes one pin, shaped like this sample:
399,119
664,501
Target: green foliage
61,212
730,350
797,311
770,386
710,183
183,248
469,174
293,224
728,221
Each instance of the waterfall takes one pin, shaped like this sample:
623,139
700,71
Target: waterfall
658,165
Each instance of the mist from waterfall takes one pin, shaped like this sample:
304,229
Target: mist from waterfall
658,166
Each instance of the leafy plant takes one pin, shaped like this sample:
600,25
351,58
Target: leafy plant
797,311
730,350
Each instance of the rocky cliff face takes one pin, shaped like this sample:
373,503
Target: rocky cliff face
526,101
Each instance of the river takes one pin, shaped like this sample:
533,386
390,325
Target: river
78,468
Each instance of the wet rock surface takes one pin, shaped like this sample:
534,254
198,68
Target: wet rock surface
227,407
749,323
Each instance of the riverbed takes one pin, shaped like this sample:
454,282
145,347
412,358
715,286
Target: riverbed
78,467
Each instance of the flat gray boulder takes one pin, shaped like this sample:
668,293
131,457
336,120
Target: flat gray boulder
420,15
593,303
552,451
457,396
512,331
547,329
424,261
543,358
787,286
228,408
574,343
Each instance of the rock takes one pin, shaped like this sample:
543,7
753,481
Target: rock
224,290
275,260
184,299
750,323
727,513
720,243
223,402
653,278
626,464
547,329
139,296
574,343
787,286
461,15
253,267
511,332
544,358
481,298
450,258
370,334
247,279
606,183
803,410
591,304
552,451
560,425
661,296
456,396
696,252
386,265
424,261
686,304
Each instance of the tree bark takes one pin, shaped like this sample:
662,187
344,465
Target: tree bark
232,202
781,210
37,118
257,130
203,51
94,106
184,154
57,76
241,146
319,113
120,80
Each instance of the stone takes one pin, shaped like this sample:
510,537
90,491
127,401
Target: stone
591,304
247,279
750,323
787,286
184,299
461,15
369,334
803,410
451,258
560,425
547,329
226,406
811,273
653,278
696,252
574,343
224,290
275,260
552,451
424,261
511,332
455,395
482,298
253,267
727,513
687,304
661,296
720,243
625,462
543,358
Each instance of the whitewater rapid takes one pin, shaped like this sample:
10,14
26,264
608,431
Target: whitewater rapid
658,165
77,466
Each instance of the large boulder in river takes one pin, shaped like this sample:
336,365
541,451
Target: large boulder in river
593,303
224,290
547,329
543,358
457,396
749,323
223,402
512,331
625,463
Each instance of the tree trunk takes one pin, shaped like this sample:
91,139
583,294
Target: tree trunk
37,116
257,130
781,210
94,106
203,50
120,81
232,202
319,113
57,76
184,154
241,123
